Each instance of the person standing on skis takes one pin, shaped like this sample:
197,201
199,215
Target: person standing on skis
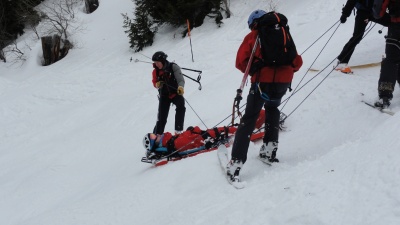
390,64
363,16
168,79
270,81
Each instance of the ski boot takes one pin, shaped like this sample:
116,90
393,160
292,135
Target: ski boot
382,103
268,152
233,170
344,68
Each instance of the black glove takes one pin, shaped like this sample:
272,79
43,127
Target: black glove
343,18
256,66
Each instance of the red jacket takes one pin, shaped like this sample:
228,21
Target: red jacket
154,80
394,10
283,74
192,138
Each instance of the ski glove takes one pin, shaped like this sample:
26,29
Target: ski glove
256,66
159,84
180,90
343,18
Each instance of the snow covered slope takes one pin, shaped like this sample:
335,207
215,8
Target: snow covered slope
71,133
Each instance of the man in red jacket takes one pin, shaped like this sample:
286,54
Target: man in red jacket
272,81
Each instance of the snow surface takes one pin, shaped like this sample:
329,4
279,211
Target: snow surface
71,133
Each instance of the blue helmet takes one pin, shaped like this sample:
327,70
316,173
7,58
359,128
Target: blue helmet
149,140
254,16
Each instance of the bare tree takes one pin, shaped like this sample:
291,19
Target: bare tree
60,22
272,5
2,56
14,50
227,10
60,16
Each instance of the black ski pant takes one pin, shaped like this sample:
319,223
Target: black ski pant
163,110
359,29
275,92
358,33
390,65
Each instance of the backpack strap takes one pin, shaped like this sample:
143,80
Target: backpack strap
226,130
171,144
217,134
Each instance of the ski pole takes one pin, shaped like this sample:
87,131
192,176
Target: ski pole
197,81
137,60
198,71
239,91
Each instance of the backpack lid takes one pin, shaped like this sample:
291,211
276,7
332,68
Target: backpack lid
273,18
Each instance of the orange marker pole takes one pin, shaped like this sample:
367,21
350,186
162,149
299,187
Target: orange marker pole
191,50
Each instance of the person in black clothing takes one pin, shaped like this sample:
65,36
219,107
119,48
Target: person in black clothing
390,64
363,16
168,79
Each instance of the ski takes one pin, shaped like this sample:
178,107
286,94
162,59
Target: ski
264,160
378,108
359,66
223,157
165,160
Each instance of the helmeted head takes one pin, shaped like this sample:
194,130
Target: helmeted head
149,140
254,16
159,57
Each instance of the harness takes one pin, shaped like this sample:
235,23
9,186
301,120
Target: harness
168,77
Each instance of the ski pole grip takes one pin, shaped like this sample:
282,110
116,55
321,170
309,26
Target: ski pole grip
238,96
239,92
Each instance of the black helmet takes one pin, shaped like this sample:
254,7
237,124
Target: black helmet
159,56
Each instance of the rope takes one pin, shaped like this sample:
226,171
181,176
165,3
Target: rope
287,99
319,38
294,92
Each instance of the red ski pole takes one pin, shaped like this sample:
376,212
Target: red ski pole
239,91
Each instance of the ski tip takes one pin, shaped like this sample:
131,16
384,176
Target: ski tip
313,70
161,163
266,161
239,185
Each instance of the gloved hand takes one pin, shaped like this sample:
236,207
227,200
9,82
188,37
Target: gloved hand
343,18
180,90
256,66
159,84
